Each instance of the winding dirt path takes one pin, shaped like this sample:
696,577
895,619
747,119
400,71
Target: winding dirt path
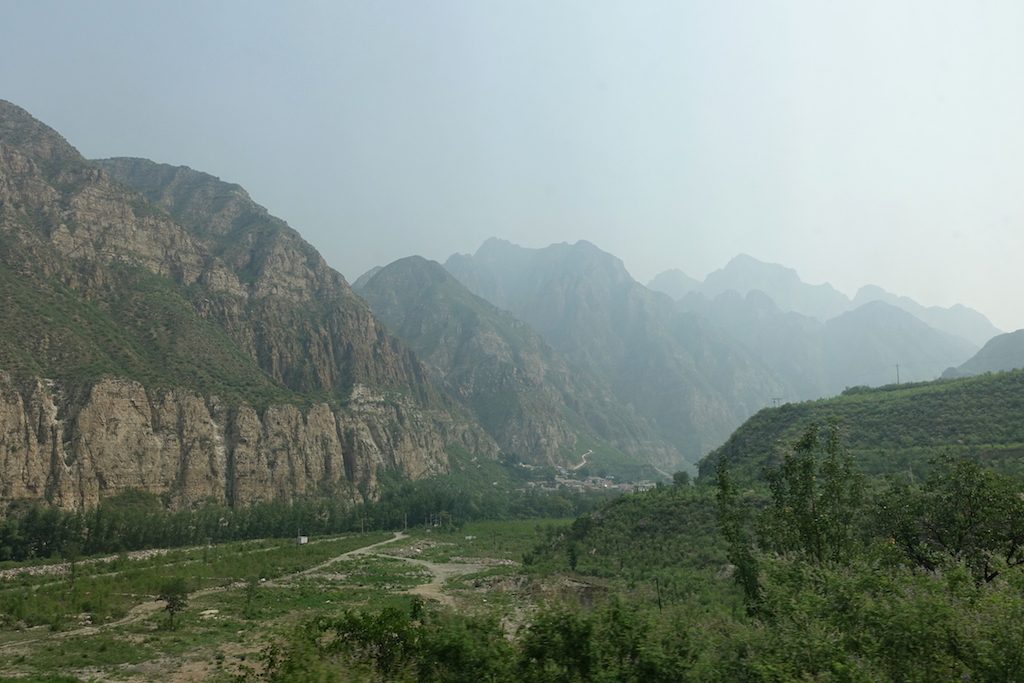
582,462
365,550
441,573
148,608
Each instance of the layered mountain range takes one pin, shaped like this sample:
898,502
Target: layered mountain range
537,405
690,370
745,274
1001,353
160,331
690,381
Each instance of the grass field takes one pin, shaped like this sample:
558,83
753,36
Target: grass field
105,623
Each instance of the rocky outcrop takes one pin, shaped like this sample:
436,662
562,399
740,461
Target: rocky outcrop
73,446
293,314
199,348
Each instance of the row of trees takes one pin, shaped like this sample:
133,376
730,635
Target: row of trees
615,643
135,520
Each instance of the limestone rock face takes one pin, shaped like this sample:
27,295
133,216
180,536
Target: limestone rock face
74,446
196,347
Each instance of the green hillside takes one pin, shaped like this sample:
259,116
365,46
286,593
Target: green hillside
895,428
140,327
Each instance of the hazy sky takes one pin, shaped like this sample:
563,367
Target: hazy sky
857,142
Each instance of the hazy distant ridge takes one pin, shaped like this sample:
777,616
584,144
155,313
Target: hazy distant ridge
1005,352
744,274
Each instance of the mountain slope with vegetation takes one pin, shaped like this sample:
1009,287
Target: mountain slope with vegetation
895,428
520,389
192,346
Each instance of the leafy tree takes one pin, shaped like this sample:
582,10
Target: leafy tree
175,593
817,500
733,521
72,553
962,514
252,585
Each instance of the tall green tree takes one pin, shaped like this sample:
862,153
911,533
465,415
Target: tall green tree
174,592
817,505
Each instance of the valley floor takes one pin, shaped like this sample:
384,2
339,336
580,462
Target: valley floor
244,597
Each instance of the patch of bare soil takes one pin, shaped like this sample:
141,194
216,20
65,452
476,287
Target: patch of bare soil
417,548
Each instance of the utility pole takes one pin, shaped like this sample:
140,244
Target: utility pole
897,373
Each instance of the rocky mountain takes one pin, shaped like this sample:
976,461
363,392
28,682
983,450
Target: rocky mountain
744,274
957,320
361,281
1004,352
690,381
673,282
160,330
815,359
522,391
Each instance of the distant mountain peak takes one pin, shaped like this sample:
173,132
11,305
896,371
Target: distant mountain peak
495,244
45,146
674,283
744,273
957,320
1001,353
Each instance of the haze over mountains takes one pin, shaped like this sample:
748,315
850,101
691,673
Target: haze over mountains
1005,352
697,367
162,331
177,339
538,408
671,366
744,274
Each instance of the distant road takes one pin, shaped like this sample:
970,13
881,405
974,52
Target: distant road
582,462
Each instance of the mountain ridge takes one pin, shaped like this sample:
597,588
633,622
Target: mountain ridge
783,285
525,393
1001,353
117,304
683,376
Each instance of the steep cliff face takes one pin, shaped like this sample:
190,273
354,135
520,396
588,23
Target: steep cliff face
294,315
73,445
183,347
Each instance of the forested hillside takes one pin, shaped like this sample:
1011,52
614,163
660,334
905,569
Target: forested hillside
893,428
